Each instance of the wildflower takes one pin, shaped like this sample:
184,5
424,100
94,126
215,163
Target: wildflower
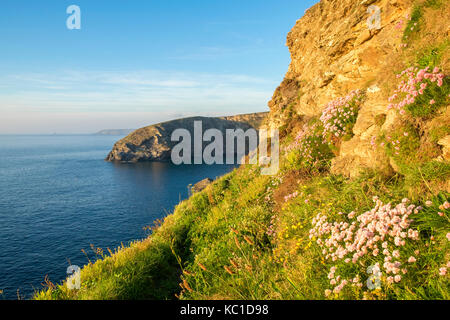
428,203
443,271
227,269
236,241
248,240
412,259
448,236
446,205
233,263
397,278
186,285
432,101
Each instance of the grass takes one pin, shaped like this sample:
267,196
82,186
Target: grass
413,25
216,244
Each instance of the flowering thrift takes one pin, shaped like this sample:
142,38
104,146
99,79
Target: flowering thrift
379,234
340,115
291,196
420,92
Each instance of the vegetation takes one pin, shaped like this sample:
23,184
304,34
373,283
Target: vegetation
307,233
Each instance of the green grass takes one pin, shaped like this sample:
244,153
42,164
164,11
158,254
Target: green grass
414,25
432,56
216,246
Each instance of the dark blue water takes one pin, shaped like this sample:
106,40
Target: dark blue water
58,196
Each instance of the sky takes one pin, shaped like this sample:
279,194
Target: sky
138,62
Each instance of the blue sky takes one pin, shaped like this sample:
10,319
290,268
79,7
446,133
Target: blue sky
136,62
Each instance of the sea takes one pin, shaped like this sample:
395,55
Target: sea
59,197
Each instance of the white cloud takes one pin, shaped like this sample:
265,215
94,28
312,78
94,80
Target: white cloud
102,99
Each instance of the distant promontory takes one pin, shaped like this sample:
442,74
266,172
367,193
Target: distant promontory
153,143
114,132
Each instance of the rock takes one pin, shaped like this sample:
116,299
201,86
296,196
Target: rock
153,143
200,186
332,53
445,143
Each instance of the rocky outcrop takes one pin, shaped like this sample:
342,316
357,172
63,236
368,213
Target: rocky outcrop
201,185
153,143
333,52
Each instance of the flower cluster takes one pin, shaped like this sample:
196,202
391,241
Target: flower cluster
394,143
415,85
381,232
291,196
310,144
271,230
340,115
443,270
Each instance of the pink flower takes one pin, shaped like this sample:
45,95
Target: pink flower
448,236
398,278
443,271
428,203
432,102
446,205
412,259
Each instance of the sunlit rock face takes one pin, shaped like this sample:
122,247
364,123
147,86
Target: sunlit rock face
335,50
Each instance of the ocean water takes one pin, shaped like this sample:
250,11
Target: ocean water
58,196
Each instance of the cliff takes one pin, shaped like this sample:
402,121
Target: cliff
360,207
333,52
153,143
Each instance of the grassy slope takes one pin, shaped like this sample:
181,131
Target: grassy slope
240,238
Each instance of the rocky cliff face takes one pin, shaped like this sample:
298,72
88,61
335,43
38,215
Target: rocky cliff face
333,51
153,143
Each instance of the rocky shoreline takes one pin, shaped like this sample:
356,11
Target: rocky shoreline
153,143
